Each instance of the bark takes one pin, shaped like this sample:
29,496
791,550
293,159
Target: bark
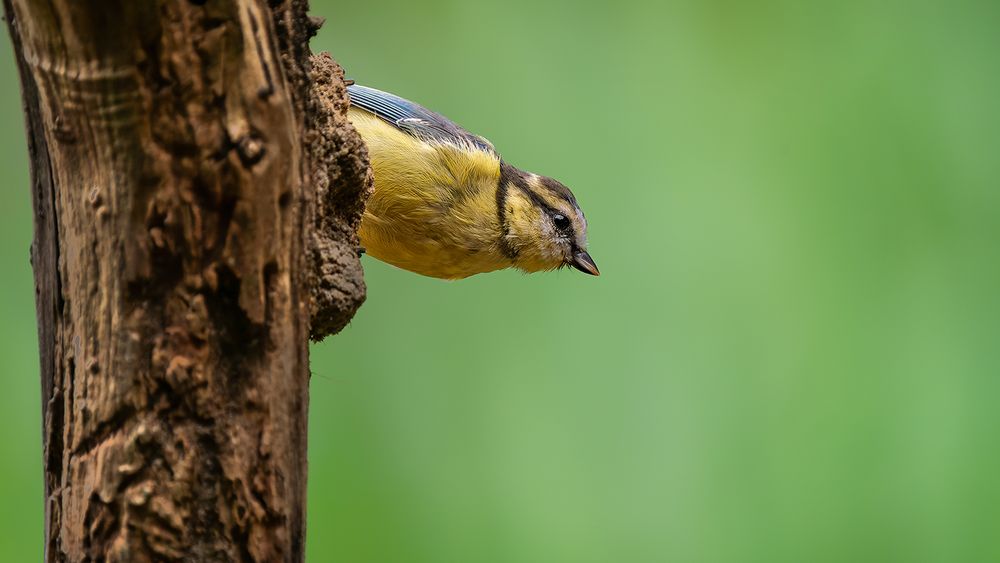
196,191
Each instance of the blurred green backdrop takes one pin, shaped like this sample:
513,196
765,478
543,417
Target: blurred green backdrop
793,353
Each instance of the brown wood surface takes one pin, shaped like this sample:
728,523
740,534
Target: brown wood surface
196,191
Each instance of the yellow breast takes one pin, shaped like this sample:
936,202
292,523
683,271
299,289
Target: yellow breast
434,208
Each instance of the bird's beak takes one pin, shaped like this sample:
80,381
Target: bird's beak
583,262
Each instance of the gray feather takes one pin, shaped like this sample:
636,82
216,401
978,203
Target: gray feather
415,119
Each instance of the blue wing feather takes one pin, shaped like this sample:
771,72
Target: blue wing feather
414,119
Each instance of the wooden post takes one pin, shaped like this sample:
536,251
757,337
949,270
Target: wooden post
196,191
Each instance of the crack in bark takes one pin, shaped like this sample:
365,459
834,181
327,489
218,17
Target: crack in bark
104,430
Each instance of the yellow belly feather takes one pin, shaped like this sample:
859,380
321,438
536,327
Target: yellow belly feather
433,210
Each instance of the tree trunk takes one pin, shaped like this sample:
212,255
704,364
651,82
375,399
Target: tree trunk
196,190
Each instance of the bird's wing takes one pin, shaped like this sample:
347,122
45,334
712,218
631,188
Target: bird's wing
415,119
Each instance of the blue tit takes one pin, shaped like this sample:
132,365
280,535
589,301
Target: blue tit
445,203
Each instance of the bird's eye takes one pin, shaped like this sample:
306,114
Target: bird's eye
561,222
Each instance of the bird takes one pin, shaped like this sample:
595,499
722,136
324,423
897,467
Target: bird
446,205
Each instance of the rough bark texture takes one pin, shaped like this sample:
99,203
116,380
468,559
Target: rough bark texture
343,182
196,199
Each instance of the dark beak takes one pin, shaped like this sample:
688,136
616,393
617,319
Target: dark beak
583,262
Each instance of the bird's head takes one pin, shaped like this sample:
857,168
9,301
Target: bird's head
543,227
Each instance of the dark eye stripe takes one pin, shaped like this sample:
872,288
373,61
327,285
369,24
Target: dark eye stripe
512,176
540,202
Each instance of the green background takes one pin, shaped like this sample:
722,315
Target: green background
793,353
